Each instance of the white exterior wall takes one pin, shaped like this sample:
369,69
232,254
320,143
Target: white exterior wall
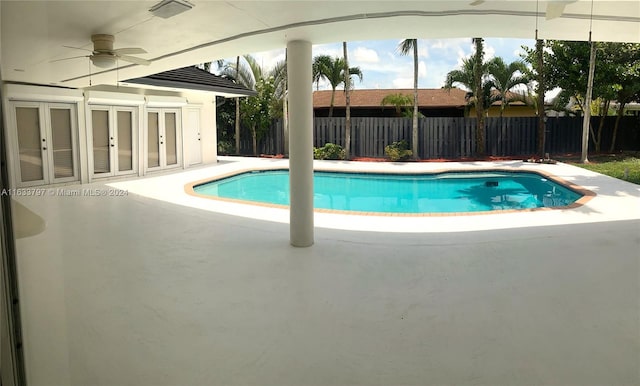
139,99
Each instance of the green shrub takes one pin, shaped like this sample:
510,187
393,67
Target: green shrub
226,147
398,151
329,151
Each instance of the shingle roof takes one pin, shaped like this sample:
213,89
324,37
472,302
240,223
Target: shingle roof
372,98
193,78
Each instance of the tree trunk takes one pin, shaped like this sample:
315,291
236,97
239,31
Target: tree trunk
477,69
540,97
587,103
254,141
603,114
414,128
615,127
333,94
237,108
347,127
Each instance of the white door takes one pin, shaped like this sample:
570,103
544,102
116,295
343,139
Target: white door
192,131
163,139
114,140
46,143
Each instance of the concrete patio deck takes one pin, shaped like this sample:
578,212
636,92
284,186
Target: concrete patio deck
160,288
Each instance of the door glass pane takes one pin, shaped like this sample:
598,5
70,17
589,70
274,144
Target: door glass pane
125,141
153,143
62,143
101,156
29,144
170,133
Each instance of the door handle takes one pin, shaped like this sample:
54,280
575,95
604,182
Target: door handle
44,148
112,145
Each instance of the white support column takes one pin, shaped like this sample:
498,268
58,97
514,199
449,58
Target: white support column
300,143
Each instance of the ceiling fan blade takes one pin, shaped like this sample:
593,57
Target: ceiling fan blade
73,57
133,59
78,48
129,51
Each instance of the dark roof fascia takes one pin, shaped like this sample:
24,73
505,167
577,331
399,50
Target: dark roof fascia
190,86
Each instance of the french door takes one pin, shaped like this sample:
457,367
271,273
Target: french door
46,142
114,139
164,144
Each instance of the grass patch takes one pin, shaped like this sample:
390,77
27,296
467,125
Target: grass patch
613,165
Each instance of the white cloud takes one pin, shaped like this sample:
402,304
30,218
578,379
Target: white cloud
423,52
449,44
327,49
403,82
518,52
422,70
489,52
268,59
365,55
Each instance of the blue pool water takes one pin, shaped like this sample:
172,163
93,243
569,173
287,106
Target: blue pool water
393,193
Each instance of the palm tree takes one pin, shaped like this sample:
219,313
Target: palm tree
347,98
319,66
406,46
207,65
465,77
505,77
246,74
478,75
398,101
246,71
542,83
333,70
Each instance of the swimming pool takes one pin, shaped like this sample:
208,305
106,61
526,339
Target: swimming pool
450,192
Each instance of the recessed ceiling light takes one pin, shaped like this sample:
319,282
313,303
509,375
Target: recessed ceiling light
169,8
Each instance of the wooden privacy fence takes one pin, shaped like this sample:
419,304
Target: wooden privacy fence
455,137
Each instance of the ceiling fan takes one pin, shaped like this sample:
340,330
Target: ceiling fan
555,8
104,55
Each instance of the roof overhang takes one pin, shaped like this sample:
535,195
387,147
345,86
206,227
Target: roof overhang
33,33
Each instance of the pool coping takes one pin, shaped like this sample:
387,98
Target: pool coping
616,200
587,194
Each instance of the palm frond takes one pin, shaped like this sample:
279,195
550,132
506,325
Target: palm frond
406,46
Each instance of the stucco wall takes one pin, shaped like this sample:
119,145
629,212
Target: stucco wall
201,104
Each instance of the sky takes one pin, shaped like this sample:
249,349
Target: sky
384,68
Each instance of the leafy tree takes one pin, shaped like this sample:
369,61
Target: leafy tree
626,71
332,69
616,76
504,77
405,47
398,101
250,74
257,110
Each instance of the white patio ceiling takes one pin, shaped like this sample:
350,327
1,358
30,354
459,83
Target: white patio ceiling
34,32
